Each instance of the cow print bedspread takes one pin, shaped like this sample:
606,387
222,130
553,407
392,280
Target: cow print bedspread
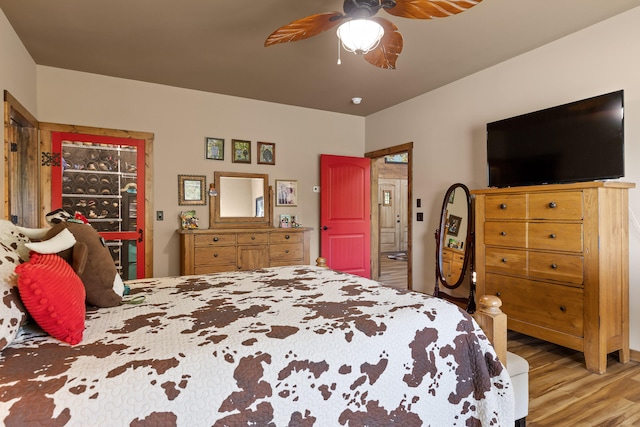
286,346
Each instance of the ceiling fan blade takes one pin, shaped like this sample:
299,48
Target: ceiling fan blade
386,54
428,9
304,28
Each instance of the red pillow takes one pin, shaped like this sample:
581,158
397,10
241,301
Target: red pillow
54,296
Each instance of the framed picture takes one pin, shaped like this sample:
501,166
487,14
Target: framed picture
285,221
454,225
286,193
259,206
214,148
191,189
452,196
266,153
401,158
241,151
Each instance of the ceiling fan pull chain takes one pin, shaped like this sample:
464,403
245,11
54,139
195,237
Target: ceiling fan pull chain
339,61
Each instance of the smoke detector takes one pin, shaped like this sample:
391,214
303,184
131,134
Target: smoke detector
356,100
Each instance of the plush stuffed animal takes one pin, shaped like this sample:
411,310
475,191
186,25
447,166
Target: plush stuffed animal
85,250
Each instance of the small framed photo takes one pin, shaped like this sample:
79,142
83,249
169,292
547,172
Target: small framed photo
214,148
454,225
285,221
402,158
191,189
266,153
286,193
260,206
241,151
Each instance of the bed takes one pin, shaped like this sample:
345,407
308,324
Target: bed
284,346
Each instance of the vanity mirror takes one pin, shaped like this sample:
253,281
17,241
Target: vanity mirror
454,245
240,200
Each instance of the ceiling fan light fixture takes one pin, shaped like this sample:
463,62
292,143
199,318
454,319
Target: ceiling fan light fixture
360,35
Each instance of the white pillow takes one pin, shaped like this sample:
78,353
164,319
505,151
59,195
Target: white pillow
12,253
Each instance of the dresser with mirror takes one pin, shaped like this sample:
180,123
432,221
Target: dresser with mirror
241,235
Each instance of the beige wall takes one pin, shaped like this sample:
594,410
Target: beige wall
597,60
181,119
17,73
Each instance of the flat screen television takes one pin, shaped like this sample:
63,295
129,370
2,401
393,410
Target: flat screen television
578,141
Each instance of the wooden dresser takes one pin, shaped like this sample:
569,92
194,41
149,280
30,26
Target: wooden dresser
214,250
557,256
452,263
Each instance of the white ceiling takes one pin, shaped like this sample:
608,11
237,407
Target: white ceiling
217,45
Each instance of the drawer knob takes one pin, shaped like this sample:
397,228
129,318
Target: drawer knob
287,251
215,255
553,205
503,206
552,235
253,237
554,266
498,294
286,236
215,239
503,233
563,308
504,260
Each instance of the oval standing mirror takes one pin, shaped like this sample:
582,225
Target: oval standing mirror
453,243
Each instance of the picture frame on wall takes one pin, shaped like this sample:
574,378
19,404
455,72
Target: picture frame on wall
259,206
214,148
454,225
266,153
286,192
191,189
241,151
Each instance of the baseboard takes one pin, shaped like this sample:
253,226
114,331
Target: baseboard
634,355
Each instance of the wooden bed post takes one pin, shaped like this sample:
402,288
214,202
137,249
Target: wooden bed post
321,262
494,324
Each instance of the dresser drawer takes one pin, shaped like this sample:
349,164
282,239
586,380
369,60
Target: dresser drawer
553,266
563,205
209,269
507,206
294,237
555,236
555,307
214,239
252,238
511,261
285,252
213,255
512,234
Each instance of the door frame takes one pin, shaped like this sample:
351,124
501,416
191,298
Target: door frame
15,112
375,219
45,175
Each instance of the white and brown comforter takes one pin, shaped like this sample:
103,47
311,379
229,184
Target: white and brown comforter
287,346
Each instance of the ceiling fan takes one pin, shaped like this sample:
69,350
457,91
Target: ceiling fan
385,42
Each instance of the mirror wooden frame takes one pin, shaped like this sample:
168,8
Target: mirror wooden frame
216,221
467,263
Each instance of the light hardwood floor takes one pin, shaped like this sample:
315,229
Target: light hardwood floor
393,272
563,393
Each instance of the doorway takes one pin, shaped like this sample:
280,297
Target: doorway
391,214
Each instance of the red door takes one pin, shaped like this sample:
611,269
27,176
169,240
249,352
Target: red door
102,178
345,213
